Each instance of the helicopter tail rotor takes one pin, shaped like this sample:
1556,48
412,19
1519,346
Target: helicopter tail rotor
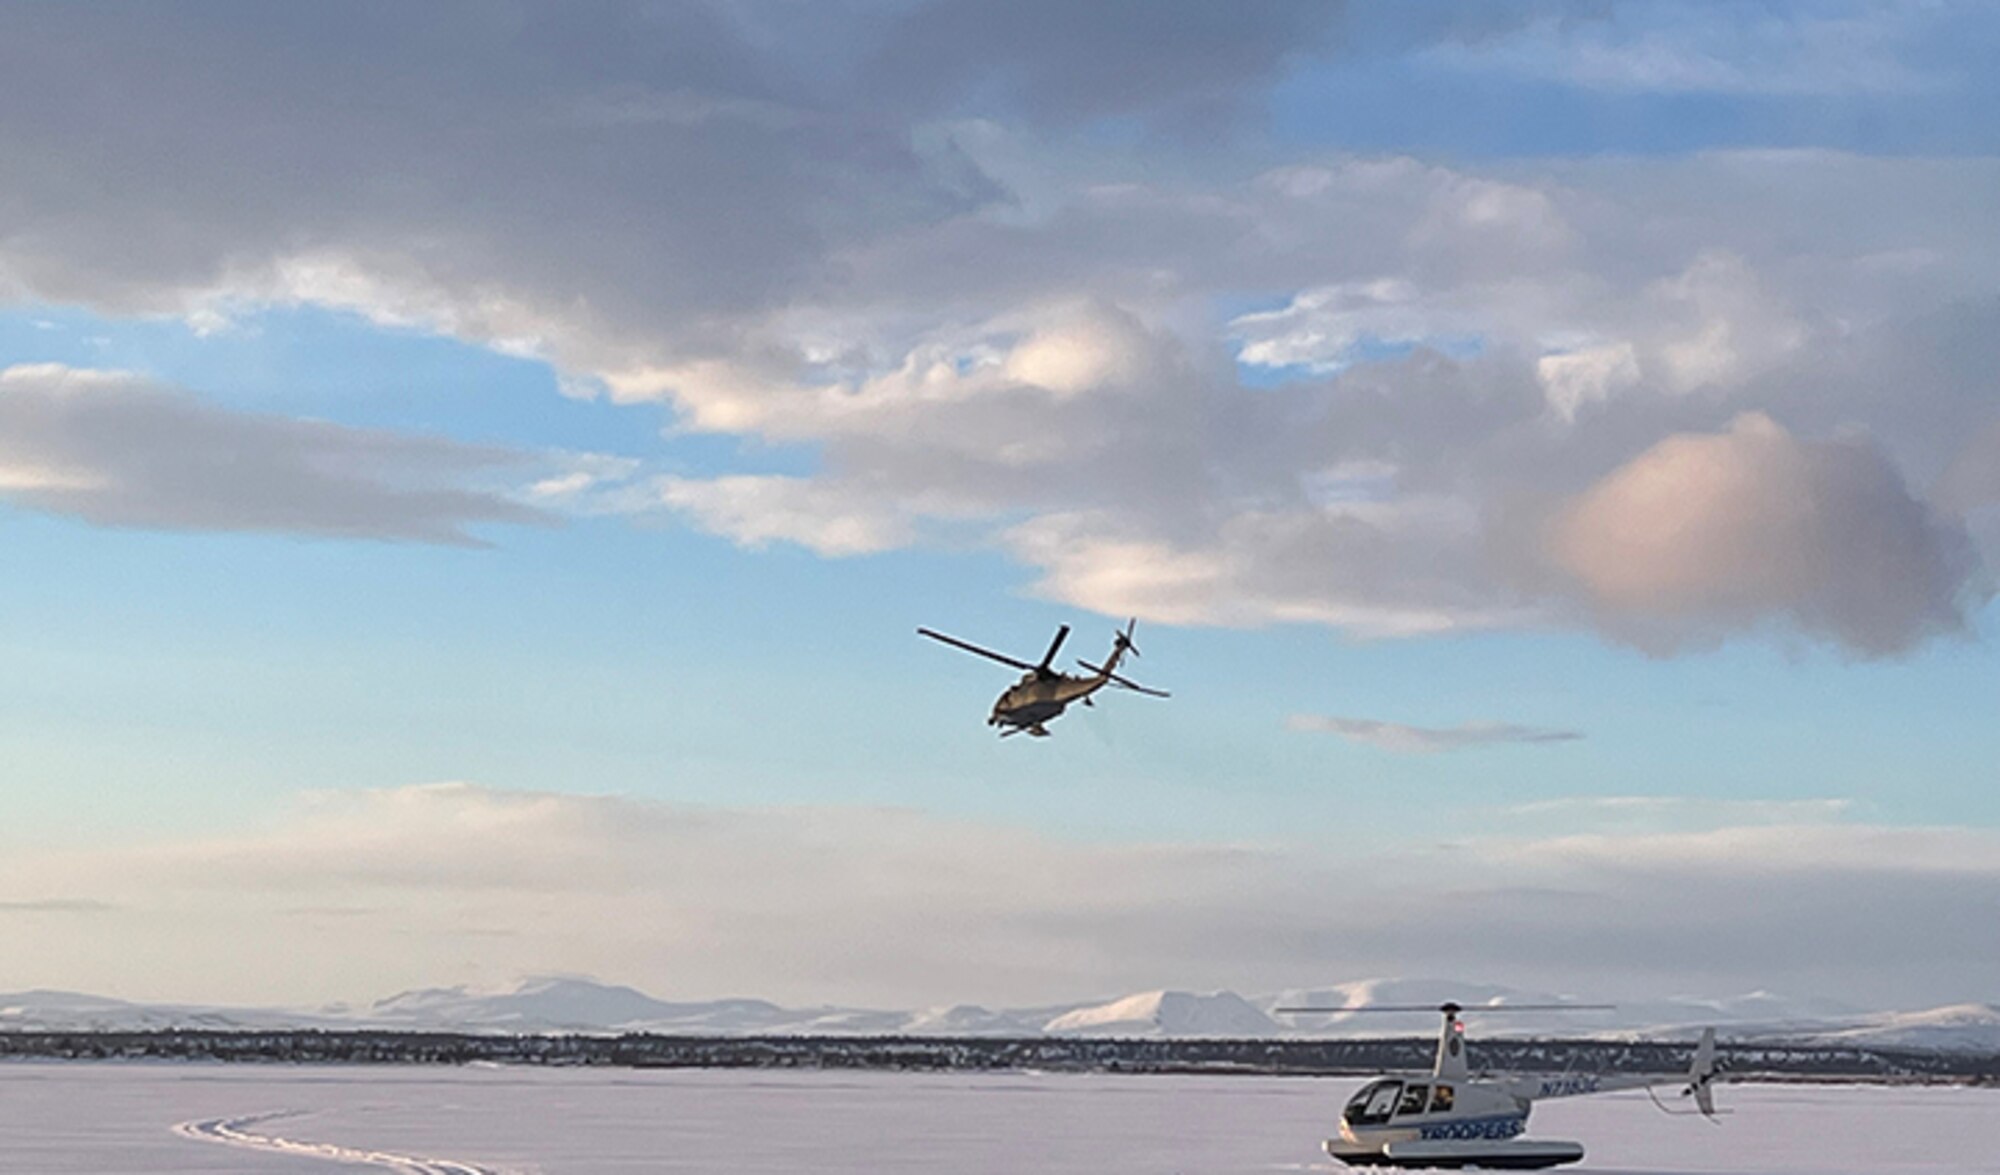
1121,647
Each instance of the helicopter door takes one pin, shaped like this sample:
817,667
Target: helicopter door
1373,1105
1414,1098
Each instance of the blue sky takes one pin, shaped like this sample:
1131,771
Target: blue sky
1554,437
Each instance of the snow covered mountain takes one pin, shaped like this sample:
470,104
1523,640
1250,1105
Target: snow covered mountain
569,1004
1166,1013
1959,1028
68,1011
544,1004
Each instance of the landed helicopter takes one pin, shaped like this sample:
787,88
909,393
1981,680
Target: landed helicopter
1449,1118
1043,692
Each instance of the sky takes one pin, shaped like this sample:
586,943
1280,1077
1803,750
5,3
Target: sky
470,475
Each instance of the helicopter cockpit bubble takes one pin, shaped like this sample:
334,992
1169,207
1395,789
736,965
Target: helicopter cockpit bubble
1374,1103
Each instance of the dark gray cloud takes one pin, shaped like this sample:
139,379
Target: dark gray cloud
115,450
628,166
1058,62
1396,736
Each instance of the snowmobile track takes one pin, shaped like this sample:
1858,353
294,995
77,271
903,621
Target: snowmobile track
236,1132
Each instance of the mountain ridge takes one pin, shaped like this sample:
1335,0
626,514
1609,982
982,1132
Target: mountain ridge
575,1004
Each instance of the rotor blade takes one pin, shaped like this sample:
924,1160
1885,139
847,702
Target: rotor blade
1130,685
969,647
1049,657
1434,1009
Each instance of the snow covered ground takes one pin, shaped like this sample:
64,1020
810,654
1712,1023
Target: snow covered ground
177,1119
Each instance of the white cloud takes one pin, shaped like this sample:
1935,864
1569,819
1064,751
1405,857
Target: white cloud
358,893
1573,379
1424,740
1704,534
1730,327
1325,329
1082,355
1372,569
812,514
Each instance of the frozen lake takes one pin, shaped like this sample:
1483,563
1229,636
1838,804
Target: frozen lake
113,1119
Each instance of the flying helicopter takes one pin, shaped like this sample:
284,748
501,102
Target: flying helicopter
1449,1118
1043,692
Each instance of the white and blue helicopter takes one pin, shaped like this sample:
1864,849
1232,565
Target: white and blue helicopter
1450,1118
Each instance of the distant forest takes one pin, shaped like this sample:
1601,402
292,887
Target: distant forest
981,1054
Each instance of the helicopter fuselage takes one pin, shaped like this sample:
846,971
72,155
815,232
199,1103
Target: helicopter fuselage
1450,1118
1038,697
1043,693
1422,1120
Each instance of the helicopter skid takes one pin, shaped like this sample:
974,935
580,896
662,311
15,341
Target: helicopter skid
1512,1154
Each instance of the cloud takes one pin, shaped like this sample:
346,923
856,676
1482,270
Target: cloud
1572,379
759,510
1063,62
1652,814
585,173
1678,49
1972,481
55,906
1326,329
115,449
1704,534
899,908
1375,570
900,239
1424,740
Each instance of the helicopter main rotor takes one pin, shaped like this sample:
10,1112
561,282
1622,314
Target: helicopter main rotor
1041,670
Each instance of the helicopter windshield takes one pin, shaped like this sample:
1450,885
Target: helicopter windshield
1373,1105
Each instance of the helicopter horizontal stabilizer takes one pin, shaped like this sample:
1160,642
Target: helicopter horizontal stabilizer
1125,683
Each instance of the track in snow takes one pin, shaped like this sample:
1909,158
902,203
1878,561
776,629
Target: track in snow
236,1132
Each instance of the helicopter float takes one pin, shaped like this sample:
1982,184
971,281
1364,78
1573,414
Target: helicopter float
1043,692
1449,1118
